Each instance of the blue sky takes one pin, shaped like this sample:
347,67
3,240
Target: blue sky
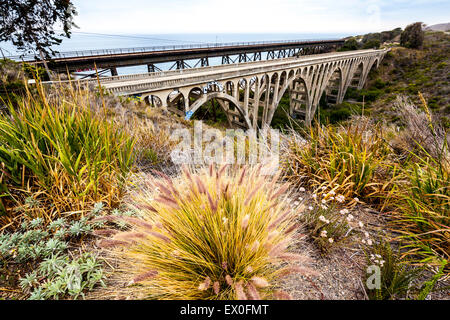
255,16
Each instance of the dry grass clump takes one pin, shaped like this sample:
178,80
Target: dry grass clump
422,133
216,234
60,153
351,161
151,129
423,203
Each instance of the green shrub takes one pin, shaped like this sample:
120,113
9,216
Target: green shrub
396,278
61,145
43,251
352,160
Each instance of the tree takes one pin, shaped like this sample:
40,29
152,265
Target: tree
413,36
371,44
30,25
349,45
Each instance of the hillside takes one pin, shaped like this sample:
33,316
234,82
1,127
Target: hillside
439,27
409,71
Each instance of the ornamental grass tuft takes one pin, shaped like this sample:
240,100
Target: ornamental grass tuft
215,234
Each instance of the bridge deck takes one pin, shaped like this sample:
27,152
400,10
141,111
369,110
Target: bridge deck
79,60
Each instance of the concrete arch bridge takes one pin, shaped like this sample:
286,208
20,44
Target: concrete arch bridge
250,92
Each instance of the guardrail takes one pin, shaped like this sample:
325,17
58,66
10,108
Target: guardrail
100,52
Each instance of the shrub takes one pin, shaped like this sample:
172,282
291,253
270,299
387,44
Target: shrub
212,235
352,161
61,146
349,45
412,36
328,228
372,44
53,272
424,210
396,278
423,206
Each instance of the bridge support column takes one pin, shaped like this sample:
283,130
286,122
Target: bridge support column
114,71
255,110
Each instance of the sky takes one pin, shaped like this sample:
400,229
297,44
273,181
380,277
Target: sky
255,16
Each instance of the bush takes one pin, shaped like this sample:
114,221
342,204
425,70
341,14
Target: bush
213,235
60,146
349,45
396,278
424,210
412,36
40,257
372,44
352,161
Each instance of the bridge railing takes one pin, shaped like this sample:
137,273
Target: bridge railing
102,52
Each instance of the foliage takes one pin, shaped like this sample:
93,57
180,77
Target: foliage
424,204
56,274
340,112
60,146
424,210
398,281
412,36
351,160
396,278
428,286
210,235
328,225
372,44
349,45
29,25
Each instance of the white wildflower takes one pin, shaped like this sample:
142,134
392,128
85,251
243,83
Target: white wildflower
302,189
323,234
349,217
330,240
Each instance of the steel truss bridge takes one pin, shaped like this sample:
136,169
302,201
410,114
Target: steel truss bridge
181,56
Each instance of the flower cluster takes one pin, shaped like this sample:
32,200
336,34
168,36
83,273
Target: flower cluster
377,259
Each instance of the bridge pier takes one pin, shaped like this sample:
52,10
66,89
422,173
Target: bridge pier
114,71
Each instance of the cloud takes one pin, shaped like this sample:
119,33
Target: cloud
254,16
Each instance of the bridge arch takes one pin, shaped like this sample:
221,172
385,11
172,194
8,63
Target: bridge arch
176,101
153,100
226,98
194,94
